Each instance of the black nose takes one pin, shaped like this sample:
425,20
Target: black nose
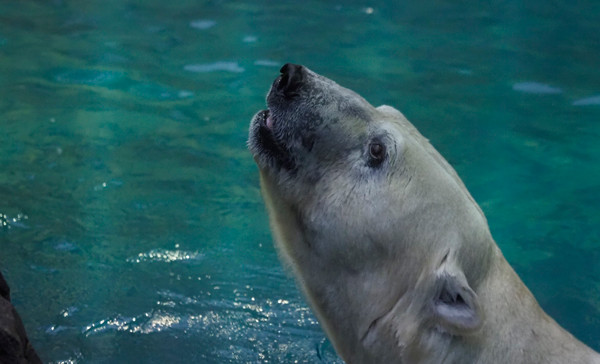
292,76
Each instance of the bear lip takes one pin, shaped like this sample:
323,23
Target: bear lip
262,116
265,144
269,121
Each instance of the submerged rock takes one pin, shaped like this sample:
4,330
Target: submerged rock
14,344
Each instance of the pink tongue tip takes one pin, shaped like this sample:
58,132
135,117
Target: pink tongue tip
269,122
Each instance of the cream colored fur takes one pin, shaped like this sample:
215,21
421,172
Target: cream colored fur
397,260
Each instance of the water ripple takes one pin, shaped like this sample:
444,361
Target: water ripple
266,63
147,323
91,77
203,24
532,87
175,298
152,91
215,66
592,100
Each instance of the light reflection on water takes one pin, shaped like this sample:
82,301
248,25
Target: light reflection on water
167,256
9,222
131,223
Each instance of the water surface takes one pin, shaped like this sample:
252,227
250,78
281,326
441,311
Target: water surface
131,223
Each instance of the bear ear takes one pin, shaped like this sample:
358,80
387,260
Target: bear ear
389,110
455,305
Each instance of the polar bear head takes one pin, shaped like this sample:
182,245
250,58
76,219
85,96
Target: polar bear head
383,237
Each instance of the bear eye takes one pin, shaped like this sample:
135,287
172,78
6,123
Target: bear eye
376,153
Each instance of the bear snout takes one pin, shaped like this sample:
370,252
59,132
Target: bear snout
291,79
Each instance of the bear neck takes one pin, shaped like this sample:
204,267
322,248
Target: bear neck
516,329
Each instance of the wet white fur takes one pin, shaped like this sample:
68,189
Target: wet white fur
372,249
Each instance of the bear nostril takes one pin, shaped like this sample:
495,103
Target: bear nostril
292,76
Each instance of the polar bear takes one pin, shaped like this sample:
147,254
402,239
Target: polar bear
393,254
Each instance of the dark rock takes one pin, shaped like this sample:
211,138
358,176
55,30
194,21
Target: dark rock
14,344
4,289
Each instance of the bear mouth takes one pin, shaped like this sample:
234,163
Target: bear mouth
265,145
271,133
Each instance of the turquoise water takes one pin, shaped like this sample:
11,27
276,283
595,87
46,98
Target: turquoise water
131,223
